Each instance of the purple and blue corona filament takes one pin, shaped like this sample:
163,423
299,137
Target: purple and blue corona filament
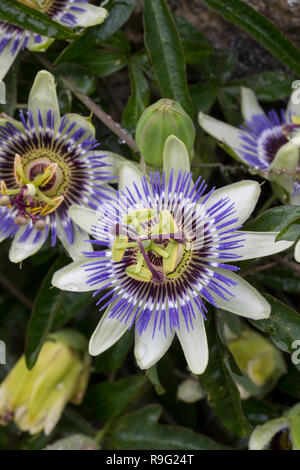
210,238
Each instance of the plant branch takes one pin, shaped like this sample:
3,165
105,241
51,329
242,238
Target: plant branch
15,292
123,134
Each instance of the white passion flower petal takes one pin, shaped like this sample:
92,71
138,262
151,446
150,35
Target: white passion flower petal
80,240
259,244
293,107
175,157
26,242
43,97
74,278
149,349
130,175
245,300
221,131
250,105
84,217
243,194
194,344
7,57
89,15
107,333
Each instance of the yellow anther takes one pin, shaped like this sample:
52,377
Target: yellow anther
175,251
119,248
35,210
144,275
3,188
296,119
57,202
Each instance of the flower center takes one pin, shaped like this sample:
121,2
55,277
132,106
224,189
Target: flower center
155,252
35,186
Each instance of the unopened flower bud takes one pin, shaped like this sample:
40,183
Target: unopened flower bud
35,398
4,201
157,123
190,391
257,358
20,220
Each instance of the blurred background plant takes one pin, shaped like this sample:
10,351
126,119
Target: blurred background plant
184,51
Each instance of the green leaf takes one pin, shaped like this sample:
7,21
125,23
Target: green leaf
258,411
290,382
283,326
139,99
203,96
140,430
119,12
47,303
163,43
21,15
113,358
195,45
279,278
82,78
268,86
223,394
260,28
110,59
107,400
52,309
278,219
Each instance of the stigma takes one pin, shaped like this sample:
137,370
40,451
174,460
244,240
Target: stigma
157,248
28,197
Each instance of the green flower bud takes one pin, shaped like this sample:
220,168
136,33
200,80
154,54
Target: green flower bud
157,123
257,358
35,399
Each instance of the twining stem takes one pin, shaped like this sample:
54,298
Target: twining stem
93,107
13,290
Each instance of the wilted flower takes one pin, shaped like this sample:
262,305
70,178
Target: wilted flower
279,433
157,123
71,13
268,143
167,248
35,399
48,163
